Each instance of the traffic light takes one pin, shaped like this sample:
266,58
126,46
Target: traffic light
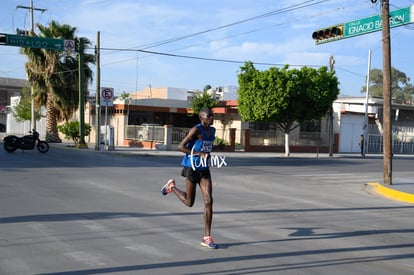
3,39
328,34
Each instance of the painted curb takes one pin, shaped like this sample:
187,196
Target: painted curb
391,193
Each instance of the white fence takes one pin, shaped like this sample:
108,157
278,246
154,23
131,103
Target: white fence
277,138
145,133
402,140
402,137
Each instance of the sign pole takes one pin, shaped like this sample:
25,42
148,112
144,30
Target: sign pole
366,122
82,144
33,107
331,118
106,127
32,91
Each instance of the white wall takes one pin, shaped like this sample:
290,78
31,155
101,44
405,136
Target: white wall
350,132
24,127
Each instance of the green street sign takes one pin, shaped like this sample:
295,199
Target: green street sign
37,42
362,26
374,23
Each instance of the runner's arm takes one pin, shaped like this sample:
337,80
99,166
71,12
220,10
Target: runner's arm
192,135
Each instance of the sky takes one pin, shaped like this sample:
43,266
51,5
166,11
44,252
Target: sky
191,43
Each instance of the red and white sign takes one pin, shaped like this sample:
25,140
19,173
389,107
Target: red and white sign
69,45
107,96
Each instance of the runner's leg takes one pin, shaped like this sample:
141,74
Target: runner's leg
206,190
187,197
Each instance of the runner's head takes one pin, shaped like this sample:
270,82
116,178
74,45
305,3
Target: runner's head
206,116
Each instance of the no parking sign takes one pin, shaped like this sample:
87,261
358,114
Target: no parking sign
107,96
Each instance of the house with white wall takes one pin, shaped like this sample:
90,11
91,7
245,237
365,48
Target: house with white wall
355,116
172,106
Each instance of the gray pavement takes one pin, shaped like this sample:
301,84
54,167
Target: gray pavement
402,189
78,211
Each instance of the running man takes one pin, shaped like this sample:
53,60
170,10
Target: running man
197,146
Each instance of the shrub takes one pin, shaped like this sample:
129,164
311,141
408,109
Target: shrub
71,130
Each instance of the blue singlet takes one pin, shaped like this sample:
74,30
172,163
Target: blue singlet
205,144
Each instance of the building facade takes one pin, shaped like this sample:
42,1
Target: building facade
9,87
356,116
352,117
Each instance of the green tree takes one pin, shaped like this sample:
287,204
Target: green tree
401,88
287,97
23,109
54,75
124,95
71,130
203,100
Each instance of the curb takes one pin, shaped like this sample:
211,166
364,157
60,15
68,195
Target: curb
390,193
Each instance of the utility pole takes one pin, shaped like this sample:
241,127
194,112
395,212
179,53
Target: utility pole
386,55
331,141
31,8
82,144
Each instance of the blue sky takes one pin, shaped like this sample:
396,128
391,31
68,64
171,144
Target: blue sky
210,29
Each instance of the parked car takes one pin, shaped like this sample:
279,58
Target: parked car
149,131
2,128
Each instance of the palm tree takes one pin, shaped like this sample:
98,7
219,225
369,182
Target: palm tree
55,77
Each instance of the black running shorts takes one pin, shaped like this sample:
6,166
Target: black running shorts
195,175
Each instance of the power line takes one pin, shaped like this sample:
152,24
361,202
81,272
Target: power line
224,60
249,31
350,72
261,16
203,58
171,40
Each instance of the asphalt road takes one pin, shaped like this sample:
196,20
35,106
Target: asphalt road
71,211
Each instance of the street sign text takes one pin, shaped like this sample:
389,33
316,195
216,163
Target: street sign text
362,26
374,23
36,42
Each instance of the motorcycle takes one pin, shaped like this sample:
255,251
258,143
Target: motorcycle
27,142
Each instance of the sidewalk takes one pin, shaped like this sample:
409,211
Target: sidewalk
400,191
175,153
